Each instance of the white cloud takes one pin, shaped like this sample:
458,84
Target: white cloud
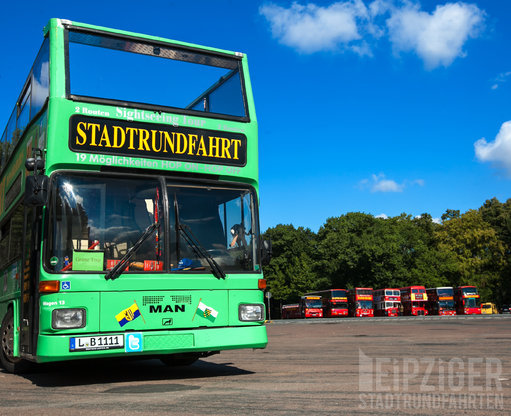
497,152
312,28
380,183
500,79
383,216
437,38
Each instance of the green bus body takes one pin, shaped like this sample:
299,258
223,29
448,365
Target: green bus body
56,259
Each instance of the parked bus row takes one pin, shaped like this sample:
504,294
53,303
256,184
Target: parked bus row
407,301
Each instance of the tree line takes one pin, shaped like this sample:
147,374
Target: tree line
360,250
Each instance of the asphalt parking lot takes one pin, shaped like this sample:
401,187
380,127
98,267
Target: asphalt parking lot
324,367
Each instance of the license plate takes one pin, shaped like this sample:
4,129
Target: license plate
105,342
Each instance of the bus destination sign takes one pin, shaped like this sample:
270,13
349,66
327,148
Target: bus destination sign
157,141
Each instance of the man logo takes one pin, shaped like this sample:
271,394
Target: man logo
166,321
167,309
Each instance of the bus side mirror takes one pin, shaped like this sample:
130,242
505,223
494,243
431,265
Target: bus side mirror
265,252
36,190
33,165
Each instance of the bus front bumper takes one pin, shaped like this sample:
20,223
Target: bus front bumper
78,346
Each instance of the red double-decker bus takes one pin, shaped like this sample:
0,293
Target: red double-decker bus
335,302
387,302
307,307
413,299
467,300
440,301
360,302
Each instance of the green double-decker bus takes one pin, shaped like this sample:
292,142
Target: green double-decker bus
129,202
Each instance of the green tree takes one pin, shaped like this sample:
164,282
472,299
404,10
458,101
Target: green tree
357,249
478,252
498,215
291,269
344,257
360,250
450,214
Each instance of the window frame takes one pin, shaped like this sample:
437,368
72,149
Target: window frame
24,98
164,181
12,257
149,106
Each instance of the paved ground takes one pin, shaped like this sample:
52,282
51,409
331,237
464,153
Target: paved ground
324,367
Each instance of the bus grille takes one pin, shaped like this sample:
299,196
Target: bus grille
160,342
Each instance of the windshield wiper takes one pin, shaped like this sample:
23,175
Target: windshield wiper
199,250
119,267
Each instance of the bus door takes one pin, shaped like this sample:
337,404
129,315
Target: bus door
29,276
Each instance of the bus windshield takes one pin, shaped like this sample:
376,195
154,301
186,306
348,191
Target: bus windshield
220,219
471,303
102,66
469,291
364,304
313,303
446,291
364,292
446,304
339,293
95,220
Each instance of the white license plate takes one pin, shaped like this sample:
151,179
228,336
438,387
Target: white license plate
104,342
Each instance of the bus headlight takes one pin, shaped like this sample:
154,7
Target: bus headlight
251,312
68,318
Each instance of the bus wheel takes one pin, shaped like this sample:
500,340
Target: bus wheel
175,360
9,362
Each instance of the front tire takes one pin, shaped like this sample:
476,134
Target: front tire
9,362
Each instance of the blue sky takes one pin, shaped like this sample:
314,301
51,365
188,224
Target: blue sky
380,106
